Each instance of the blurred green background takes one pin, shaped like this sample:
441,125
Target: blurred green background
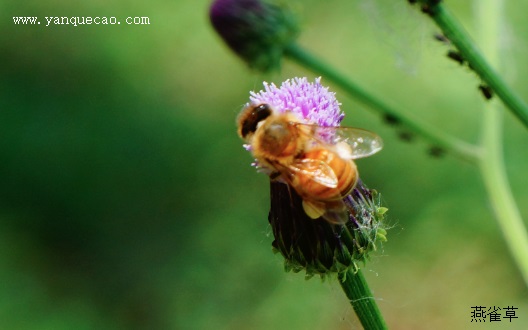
128,202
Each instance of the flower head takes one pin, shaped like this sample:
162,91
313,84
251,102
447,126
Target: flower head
314,245
310,101
256,30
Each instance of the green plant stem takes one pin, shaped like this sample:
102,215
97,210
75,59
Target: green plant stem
454,31
492,165
458,148
361,299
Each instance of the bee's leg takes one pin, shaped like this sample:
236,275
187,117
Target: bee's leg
289,193
274,175
313,209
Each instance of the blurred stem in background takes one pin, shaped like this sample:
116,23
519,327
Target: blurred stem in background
489,14
454,31
437,138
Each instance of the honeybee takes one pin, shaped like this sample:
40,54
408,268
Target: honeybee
316,161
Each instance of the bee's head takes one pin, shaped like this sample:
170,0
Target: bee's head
250,117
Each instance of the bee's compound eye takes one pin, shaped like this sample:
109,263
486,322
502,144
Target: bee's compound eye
262,107
256,115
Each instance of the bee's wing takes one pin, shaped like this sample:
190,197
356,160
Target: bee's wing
315,170
362,143
337,215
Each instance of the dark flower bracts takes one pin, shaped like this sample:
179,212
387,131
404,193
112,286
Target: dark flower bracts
319,247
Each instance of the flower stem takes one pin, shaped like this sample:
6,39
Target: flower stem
499,192
492,166
459,148
361,299
454,31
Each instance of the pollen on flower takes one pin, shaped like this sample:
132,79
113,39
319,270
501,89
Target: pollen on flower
311,101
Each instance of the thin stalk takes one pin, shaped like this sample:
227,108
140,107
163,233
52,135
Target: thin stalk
358,292
454,31
492,166
437,138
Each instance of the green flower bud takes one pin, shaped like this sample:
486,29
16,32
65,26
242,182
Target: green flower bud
317,246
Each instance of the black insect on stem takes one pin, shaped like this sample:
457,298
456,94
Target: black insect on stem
426,9
391,119
429,7
436,151
486,91
406,136
456,56
442,38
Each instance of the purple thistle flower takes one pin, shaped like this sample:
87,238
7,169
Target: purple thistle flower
316,246
311,101
255,30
